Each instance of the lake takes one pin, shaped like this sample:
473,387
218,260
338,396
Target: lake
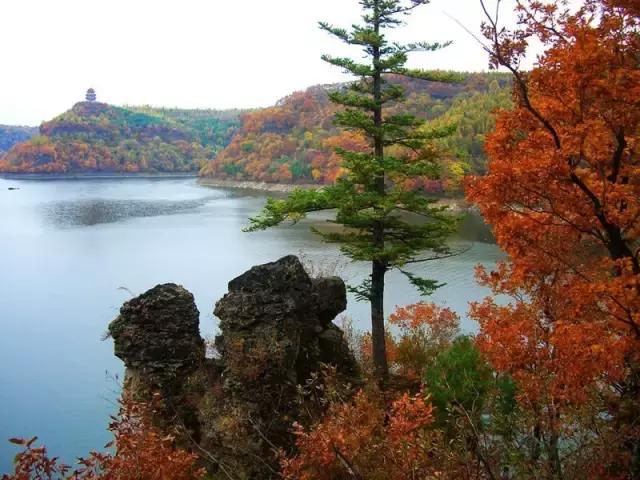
72,251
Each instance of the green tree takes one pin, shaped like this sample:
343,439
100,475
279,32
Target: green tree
377,213
458,379
475,406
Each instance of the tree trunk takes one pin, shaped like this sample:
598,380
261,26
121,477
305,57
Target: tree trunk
377,320
379,266
555,464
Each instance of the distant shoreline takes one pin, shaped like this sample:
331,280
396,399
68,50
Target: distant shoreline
253,185
454,204
92,175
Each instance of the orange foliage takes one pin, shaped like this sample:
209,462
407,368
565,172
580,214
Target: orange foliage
346,140
441,322
563,193
141,453
416,334
363,439
553,356
275,144
563,196
299,132
425,330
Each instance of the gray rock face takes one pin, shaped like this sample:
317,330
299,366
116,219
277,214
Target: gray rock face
276,331
157,332
279,304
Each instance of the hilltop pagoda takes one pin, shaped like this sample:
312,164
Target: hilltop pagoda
90,96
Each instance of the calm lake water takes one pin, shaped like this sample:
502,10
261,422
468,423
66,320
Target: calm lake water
71,251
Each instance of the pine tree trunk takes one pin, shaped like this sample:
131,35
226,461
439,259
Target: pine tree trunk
379,267
377,321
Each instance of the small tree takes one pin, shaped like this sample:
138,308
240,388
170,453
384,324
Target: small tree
90,96
370,201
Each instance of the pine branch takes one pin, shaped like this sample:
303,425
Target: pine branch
349,65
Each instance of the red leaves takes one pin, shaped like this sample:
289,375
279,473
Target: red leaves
442,323
562,194
141,453
367,438
563,197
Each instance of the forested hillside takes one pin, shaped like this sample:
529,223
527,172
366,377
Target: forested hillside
291,142
10,135
294,141
97,137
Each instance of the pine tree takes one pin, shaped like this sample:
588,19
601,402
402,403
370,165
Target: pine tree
377,213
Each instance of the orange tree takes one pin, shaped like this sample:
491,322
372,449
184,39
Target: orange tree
559,427
563,196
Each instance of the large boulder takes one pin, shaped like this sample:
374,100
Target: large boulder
278,305
157,337
158,332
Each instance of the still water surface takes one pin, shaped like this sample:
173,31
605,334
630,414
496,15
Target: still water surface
71,251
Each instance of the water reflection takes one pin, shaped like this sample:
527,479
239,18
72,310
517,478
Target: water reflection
97,211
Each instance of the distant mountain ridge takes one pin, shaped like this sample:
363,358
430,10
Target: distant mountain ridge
294,141
11,134
98,137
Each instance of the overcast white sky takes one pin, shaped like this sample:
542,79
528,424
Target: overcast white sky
192,53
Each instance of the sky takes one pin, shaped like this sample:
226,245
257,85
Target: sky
194,53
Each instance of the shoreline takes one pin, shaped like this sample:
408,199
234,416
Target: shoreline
454,204
92,176
254,185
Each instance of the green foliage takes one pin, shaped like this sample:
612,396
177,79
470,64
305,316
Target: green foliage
458,379
248,147
370,199
425,286
467,393
232,170
473,114
299,169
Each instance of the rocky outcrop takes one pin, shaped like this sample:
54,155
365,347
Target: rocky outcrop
278,306
158,332
157,337
276,333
